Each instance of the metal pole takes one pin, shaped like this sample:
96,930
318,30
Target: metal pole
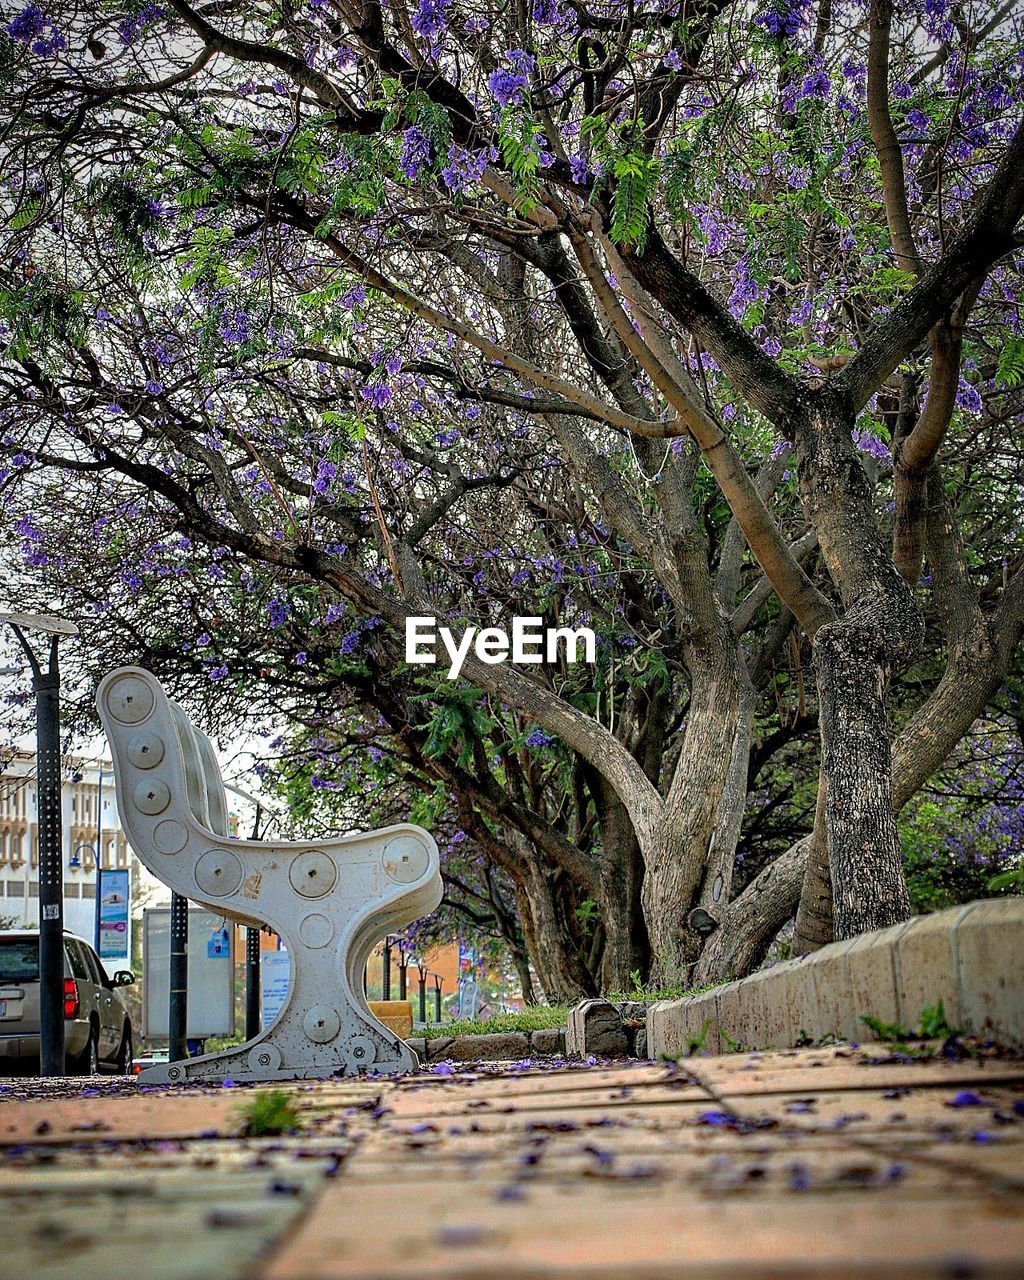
385,975
99,859
177,1005
253,1009
403,972
252,983
438,983
423,992
51,868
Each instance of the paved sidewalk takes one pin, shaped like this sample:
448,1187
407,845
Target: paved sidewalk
837,1162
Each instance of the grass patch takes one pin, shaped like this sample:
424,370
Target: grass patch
268,1114
536,1017
671,992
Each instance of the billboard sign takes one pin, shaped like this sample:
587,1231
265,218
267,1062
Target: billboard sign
114,930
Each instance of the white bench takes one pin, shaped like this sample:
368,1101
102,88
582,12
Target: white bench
331,901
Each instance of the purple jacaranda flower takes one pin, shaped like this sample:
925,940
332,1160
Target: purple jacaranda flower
278,610
26,25
719,1119
967,397
417,153
782,18
378,394
464,168
430,19
234,326
546,13
966,1098
509,84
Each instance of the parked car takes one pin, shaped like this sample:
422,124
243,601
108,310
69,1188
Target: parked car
97,1028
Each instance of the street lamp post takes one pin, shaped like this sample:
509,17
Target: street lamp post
438,983
46,684
403,972
385,973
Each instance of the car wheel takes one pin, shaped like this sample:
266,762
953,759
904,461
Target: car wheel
89,1060
125,1054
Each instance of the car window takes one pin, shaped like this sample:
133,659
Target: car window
79,968
98,973
19,959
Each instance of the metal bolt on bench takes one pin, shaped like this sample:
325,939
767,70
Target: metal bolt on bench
330,901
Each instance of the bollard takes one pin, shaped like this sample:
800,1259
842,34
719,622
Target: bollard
177,1004
423,992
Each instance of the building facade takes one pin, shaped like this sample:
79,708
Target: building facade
90,822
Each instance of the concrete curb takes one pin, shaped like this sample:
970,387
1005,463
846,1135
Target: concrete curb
971,958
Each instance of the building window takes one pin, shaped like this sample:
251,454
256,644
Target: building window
71,891
33,888
88,891
15,888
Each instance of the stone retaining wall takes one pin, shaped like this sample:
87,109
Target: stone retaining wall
971,958
496,1047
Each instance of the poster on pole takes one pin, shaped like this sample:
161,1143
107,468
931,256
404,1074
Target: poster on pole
115,930
275,971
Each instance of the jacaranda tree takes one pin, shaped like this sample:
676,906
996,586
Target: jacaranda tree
696,322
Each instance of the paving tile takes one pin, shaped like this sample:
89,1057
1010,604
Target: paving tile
639,1227
177,1226
87,1119
823,1162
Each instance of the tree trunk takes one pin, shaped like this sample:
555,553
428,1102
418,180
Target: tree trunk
552,937
814,923
626,947
865,859
675,867
752,921
854,657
